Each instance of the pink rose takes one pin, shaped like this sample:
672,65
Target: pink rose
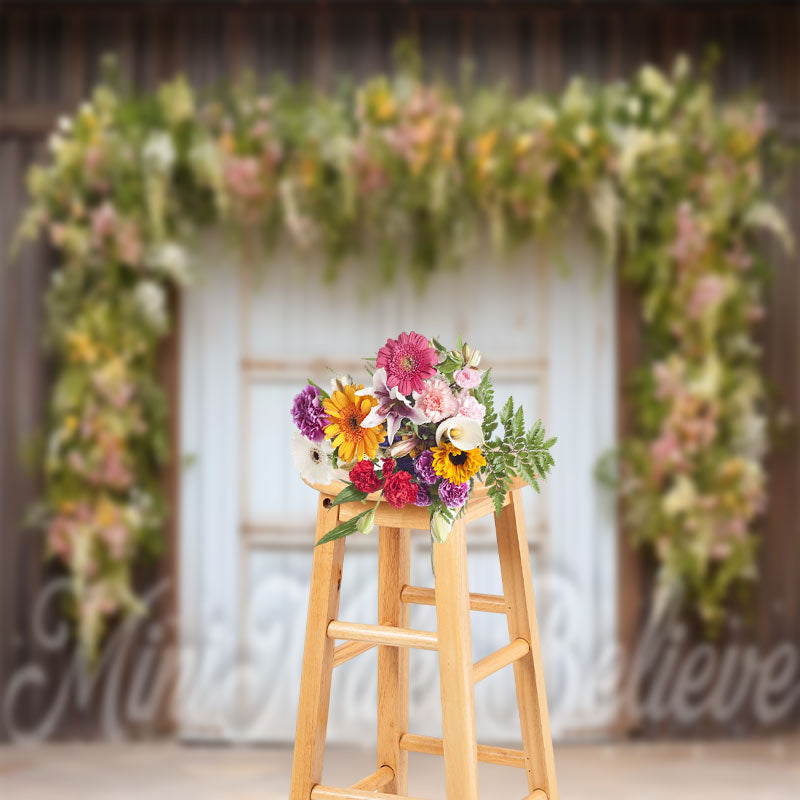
467,378
469,407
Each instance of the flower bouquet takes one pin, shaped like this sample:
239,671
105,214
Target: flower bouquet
421,434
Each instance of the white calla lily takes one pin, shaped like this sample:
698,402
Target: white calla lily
462,432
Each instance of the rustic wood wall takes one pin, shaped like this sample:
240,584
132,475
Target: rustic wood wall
50,55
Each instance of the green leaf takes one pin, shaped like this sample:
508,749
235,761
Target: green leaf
344,529
322,392
348,495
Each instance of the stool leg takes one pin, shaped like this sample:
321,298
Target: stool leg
455,666
315,683
515,566
393,573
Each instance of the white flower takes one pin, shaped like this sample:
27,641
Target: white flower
681,497
54,143
462,432
64,124
751,436
634,144
158,152
576,100
706,383
339,382
312,459
584,134
655,84
171,259
205,161
152,302
633,107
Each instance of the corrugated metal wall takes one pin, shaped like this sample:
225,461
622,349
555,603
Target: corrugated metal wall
50,56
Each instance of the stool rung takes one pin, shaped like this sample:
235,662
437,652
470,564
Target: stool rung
419,595
518,649
332,793
377,781
344,652
383,634
504,756
539,794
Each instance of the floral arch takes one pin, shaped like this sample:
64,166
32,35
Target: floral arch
671,182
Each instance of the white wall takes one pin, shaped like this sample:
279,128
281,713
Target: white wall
248,343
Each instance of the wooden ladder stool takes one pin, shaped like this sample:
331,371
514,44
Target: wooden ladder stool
452,640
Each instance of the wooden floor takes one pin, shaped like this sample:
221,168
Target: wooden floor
764,770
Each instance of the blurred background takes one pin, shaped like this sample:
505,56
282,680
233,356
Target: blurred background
200,695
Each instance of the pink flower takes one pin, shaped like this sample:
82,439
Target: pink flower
708,291
93,158
408,360
469,407
467,378
669,380
104,220
689,238
116,538
666,453
437,400
129,243
243,177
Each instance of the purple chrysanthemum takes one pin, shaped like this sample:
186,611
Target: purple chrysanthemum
309,415
454,495
423,498
423,466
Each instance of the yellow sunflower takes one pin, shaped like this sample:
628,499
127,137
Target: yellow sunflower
457,466
346,412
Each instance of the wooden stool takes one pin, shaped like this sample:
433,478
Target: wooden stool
393,637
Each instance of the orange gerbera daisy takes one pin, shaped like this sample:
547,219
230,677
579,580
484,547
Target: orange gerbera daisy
346,411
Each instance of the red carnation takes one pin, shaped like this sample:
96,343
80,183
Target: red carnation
387,467
399,489
364,478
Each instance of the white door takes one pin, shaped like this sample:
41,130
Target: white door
249,341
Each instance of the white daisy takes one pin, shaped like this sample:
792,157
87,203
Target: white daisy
312,459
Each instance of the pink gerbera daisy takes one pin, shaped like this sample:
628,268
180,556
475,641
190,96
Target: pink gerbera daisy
409,360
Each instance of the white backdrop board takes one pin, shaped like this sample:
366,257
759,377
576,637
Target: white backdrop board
249,339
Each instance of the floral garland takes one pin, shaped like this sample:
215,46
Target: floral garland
427,424
670,183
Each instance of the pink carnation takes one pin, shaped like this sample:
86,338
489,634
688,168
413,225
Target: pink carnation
437,400
469,407
467,378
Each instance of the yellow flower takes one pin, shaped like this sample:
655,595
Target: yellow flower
308,171
484,148
106,513
384,105
485,144
226,143
81,347
522,144
457,466
346,412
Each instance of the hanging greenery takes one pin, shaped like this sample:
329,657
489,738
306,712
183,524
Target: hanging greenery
410,173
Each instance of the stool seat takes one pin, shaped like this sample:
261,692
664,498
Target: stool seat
452,641
479,505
